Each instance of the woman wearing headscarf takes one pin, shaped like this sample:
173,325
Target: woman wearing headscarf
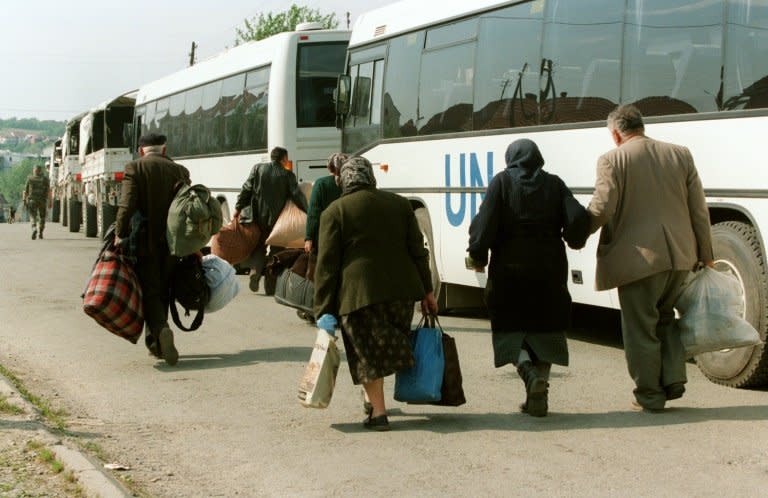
523,220
371,268
324,192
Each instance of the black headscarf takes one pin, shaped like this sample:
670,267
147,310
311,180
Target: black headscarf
524,153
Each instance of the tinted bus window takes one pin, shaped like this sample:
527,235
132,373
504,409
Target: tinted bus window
176,131
399,104
192,114
746,61
211,126
673,55
231,107
319,66
507,81
580,69
255,109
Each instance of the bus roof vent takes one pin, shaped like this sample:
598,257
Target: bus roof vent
380,30
309,26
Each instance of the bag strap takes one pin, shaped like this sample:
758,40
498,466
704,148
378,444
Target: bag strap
196,322
432,322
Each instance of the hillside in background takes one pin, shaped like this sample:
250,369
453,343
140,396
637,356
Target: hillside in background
29,135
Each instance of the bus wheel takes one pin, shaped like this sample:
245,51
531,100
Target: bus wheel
425,225
737,251
64,211
75,213
91,224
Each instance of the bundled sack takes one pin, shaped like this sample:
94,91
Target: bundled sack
423,382
711,308
293,289
222,282
235,241
290,227
319,379
193,218
189,287
113,294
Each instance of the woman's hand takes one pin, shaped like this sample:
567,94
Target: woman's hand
307,246
429,304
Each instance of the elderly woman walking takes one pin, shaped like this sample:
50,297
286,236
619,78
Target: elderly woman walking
372,267
523,220
324,192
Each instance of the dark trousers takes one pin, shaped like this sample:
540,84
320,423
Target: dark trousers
37,211
652,344
154,272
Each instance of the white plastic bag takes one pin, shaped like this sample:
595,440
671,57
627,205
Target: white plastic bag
317,383
221,279
711,307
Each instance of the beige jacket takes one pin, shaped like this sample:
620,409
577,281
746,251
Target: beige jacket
650,204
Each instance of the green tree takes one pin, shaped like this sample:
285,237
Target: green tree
13,180
266,25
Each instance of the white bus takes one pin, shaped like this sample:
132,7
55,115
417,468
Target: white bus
103,152
434,96
225,114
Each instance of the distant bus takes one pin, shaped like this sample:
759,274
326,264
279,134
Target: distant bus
103,151
54,166
225,114
433,96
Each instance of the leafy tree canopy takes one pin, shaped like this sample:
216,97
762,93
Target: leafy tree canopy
48,128
266,25
13,180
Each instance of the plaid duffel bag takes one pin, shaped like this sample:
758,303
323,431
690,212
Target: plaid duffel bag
113,295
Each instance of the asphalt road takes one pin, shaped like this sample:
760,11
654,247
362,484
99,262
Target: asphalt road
226,422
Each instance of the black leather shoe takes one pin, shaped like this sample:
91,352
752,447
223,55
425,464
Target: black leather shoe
34,234
380,423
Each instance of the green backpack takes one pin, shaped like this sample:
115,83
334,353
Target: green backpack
194,216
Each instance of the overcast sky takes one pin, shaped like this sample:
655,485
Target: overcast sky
59,58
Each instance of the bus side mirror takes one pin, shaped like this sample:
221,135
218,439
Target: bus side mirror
343,85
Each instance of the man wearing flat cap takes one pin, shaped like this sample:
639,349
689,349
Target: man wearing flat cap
148,188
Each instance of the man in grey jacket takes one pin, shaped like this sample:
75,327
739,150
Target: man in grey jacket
262,198
650,204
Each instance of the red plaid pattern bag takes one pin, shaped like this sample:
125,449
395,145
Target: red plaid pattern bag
113,295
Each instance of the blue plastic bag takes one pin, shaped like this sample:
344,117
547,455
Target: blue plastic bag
423,382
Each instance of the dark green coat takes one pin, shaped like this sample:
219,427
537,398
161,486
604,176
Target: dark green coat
371,251
324,192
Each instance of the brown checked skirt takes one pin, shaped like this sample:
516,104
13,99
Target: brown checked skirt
377,340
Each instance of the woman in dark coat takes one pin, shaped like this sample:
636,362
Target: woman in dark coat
523,220
324,192
371,268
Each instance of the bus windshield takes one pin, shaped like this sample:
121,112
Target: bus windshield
319,65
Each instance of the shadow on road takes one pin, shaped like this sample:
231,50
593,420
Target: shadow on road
448,423
246,357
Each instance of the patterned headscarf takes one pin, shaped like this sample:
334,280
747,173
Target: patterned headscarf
335,161
356,174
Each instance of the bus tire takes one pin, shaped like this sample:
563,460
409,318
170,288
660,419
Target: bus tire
425,225
91,225
108,216
75,213
64,211
55,213
737,250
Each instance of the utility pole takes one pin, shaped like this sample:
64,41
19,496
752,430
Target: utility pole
347,19
192,54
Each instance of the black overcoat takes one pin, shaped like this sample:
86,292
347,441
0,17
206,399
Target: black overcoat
523,220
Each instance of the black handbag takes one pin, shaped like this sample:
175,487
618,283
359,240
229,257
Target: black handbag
190,288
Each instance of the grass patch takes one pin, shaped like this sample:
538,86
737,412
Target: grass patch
46,456
8,407
57,417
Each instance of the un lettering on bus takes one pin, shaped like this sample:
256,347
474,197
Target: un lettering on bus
476,179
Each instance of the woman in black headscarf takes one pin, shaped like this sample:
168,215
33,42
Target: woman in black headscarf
523,220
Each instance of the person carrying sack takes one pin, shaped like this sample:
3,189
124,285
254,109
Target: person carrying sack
149,186
261,200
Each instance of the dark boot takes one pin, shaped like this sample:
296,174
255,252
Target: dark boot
536,390
34,234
